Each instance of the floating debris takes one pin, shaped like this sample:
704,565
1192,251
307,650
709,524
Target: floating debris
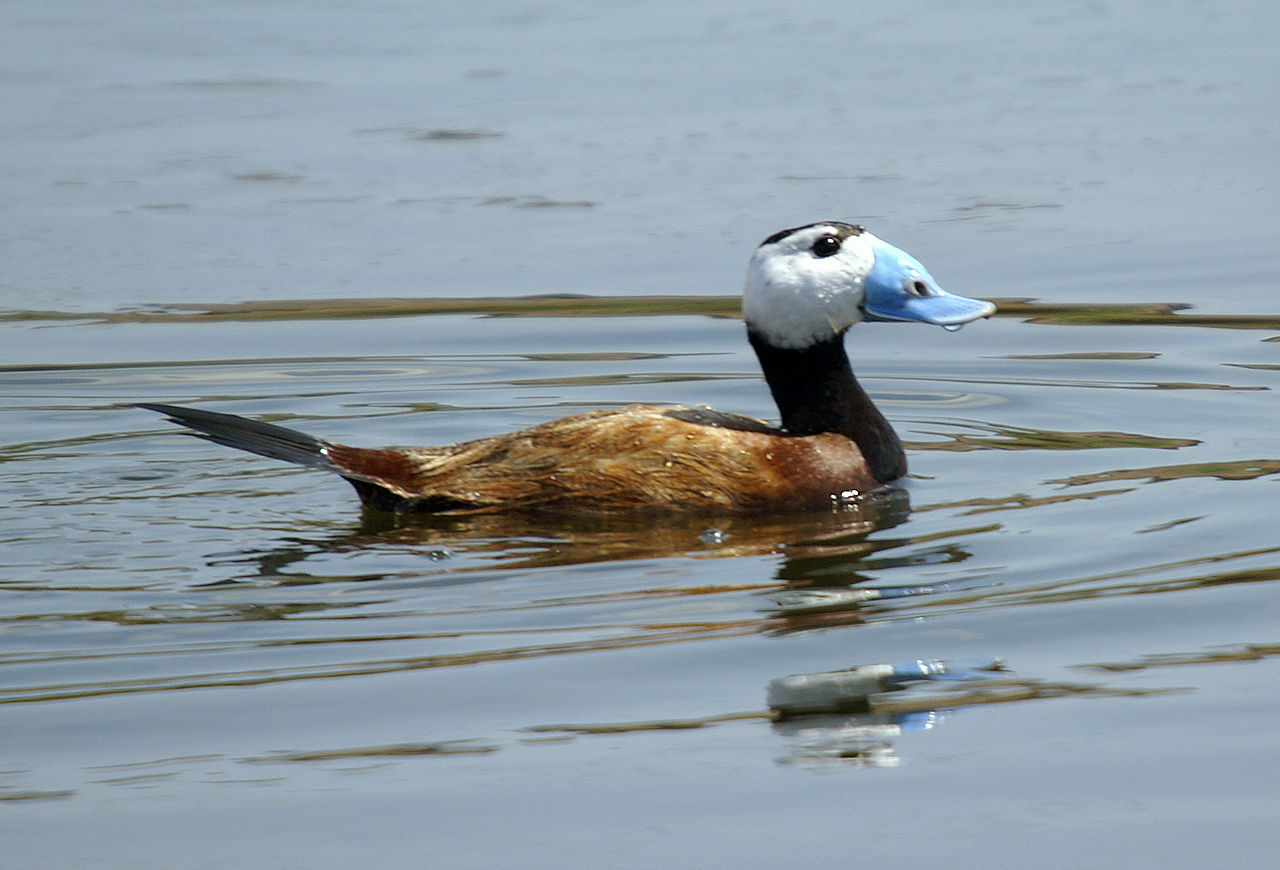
851,690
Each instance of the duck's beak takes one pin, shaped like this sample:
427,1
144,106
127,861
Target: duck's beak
898,287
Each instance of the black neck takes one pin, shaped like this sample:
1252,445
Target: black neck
816,392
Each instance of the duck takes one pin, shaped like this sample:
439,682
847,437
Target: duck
805,288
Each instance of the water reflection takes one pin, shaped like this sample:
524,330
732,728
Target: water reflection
861,740
866,738
1242,469
1247,652
998,437
816,547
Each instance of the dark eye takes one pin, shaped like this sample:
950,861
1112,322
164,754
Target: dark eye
825,246
919,288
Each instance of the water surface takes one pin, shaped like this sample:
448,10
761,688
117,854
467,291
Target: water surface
192,632
209,659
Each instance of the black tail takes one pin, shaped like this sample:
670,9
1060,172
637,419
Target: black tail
264,439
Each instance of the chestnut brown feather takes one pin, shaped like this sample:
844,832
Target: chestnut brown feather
640,457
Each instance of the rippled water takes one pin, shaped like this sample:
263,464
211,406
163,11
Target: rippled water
328,215
197,640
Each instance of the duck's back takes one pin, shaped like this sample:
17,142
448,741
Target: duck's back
639,457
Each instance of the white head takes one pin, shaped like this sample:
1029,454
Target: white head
809,284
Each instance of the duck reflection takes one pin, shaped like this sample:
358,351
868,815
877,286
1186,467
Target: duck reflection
816,548
821,580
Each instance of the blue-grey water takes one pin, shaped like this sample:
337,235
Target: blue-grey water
211,660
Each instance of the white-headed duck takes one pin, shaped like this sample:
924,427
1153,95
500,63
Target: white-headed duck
805,287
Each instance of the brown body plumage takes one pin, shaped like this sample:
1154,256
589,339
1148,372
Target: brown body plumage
636,458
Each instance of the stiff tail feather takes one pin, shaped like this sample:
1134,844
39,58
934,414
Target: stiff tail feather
264,439
382,478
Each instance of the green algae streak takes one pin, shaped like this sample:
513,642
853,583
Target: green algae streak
572,305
